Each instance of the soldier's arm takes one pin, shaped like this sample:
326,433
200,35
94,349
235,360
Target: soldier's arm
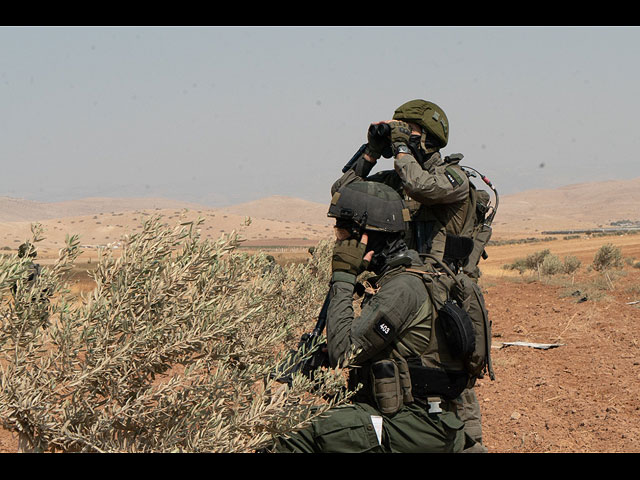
381,319
447,184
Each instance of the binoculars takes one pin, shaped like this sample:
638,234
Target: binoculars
382,130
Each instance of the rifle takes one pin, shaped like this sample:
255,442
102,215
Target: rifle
309,355
386,151
355,158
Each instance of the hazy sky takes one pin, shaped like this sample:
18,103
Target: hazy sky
222,115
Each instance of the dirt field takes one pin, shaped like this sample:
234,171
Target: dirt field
581,396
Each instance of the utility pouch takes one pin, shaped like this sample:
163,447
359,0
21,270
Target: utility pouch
458,330
482,235
427,381
405,380
387,391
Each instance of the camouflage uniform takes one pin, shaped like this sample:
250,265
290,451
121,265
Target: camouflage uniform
362,426
437,193
395,337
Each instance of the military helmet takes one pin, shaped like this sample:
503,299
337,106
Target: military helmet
26,250
371,206
428,115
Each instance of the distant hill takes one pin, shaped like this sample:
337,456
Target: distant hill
275,221
20,210
281,220
579,206
284,209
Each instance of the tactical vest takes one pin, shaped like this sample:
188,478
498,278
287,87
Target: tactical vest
431,357
430,225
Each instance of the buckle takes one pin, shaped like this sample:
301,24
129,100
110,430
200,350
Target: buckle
434,404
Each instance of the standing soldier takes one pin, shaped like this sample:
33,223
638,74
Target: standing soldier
443,203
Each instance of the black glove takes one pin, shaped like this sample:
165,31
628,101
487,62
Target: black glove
348,260
376,144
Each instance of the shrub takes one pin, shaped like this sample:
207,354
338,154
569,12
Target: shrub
531,262
171,352
534,261
608,256
545,263
550,265
518,265
570,264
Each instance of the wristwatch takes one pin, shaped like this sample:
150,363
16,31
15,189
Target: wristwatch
397,148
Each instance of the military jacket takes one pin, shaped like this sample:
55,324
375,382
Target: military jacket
384,336
400,353
385,315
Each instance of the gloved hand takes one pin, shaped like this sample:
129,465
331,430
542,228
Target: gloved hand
400,132
349,260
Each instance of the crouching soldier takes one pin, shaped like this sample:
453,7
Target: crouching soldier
404,362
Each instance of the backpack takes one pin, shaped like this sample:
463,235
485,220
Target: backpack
462,316
479,221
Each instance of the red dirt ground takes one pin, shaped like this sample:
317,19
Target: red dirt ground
582,396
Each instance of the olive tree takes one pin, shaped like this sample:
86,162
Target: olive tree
172,351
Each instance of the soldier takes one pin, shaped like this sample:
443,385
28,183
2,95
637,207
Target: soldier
436,190
405,368
40,301
27,250
441,200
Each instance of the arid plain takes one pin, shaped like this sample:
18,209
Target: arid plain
583,395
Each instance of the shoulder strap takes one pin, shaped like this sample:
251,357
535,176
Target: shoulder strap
445,268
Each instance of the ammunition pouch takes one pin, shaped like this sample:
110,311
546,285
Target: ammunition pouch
387,392
482,235
386,384
458,248
390,384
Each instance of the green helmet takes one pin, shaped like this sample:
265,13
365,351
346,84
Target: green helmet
371,206
428,115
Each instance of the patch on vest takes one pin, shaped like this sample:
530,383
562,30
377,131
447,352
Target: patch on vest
384,328
453,177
